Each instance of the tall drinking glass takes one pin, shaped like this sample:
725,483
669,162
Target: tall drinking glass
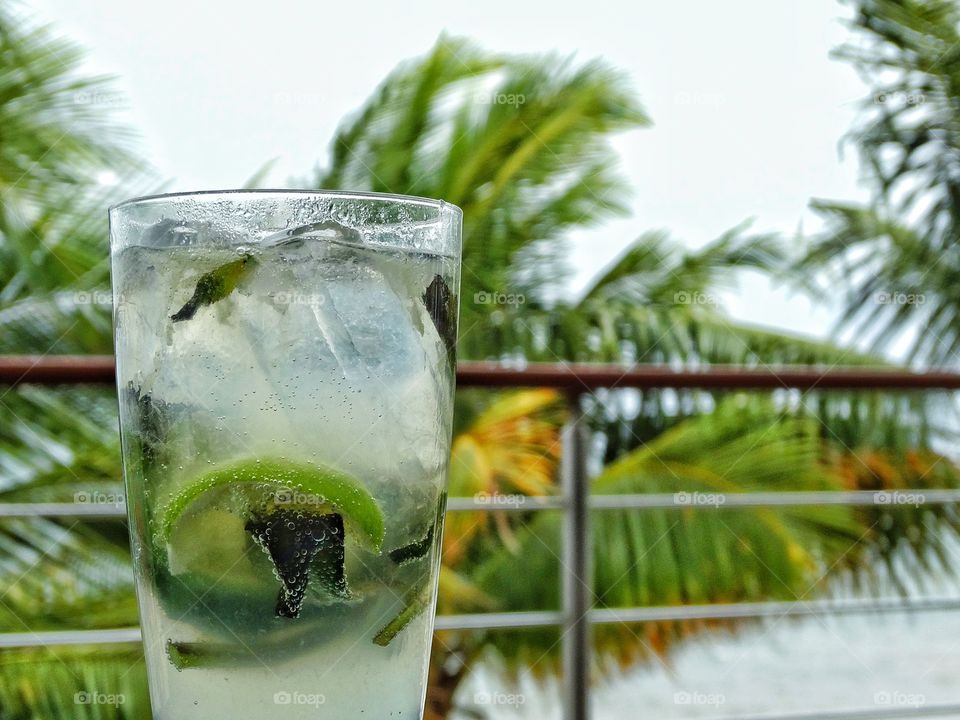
285,366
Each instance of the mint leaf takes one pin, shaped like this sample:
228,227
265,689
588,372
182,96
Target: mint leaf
413,551
214,286
293,541
441,304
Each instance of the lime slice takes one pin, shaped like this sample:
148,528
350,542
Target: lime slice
245,539
265,484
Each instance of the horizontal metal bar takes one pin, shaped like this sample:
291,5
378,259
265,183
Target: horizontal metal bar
879,712
55,369
518,503
719,611
91,511
577,377
598,616
498,621
912,497
70,637
506,503
759,610
587,377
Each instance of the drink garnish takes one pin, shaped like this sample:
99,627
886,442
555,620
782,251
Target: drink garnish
414,607
184,655
415,550
270,484
300,515
295,541
214,286
441,303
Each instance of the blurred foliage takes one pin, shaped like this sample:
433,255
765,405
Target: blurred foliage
523,172
896,260
56,142
39,683
522,144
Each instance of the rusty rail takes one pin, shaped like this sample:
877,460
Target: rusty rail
72,369
578,613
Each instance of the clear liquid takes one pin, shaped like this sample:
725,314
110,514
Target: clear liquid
324,354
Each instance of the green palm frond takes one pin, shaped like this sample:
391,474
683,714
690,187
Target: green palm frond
63,573
657,302
520,144
509,452
55,275
42,460
60,576
903,245
702,553
655,269
82,682
55,131
691,554
386,146
58,141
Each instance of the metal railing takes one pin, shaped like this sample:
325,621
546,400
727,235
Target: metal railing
577,614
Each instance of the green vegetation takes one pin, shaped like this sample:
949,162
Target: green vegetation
525,175
896,257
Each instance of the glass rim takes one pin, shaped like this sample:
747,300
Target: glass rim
398,198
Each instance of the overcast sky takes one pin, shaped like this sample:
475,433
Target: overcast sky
747,104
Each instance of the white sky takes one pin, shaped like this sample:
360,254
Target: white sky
747,105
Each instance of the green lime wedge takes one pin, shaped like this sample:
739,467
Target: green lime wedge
268,483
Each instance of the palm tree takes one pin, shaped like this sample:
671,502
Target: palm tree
57,144
654,303
521,144
898,255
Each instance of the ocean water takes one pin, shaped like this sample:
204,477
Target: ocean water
882,662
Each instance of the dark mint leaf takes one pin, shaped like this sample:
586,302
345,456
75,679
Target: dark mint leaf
413,551
441,303
214,286
152,421
294,540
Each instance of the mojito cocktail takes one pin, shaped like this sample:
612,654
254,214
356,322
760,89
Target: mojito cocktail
285,370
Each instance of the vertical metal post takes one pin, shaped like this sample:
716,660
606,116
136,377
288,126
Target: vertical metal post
577,585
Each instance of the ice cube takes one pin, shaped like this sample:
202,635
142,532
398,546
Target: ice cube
353,351
325,350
